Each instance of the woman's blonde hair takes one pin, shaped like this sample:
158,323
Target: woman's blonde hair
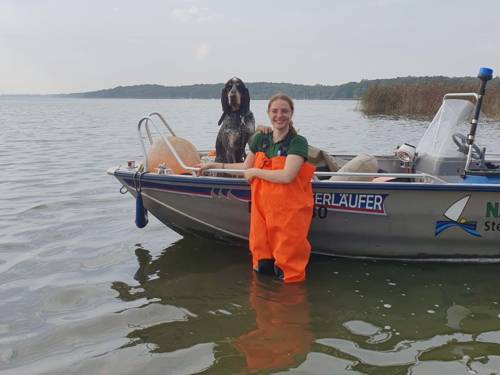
286,98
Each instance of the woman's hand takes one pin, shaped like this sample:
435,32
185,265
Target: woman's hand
263,129
204,166
250,174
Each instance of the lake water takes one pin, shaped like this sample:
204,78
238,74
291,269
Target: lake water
83,291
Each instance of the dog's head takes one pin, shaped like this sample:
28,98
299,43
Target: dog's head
235,97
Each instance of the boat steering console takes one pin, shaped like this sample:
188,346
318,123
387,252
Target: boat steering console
461,141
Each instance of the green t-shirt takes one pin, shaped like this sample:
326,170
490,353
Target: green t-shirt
297,145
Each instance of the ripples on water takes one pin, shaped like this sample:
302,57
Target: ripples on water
83,291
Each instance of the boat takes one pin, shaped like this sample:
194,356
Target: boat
438,200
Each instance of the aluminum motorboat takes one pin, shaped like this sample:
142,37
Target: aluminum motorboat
439,199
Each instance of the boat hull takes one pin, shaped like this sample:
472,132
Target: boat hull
356,219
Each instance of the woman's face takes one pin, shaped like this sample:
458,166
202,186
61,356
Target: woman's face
280,114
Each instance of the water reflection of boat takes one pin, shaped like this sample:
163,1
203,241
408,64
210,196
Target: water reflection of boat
398,213
196,281
198,304
218,300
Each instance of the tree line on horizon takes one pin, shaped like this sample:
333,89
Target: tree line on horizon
264,90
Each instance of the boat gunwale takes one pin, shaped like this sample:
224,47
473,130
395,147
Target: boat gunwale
338,185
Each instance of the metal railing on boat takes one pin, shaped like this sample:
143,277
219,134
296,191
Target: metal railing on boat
425,177
416,177
148,120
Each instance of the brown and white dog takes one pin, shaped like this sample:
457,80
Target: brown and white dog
238,123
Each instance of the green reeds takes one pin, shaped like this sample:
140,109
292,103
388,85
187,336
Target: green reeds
422,100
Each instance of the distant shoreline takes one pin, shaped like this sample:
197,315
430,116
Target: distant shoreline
411,97
259,90
68,96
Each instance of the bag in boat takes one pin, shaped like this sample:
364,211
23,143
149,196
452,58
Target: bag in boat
363,163
159,153
321,160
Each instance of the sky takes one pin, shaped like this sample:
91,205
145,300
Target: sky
64,46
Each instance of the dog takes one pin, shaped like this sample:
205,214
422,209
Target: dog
238,123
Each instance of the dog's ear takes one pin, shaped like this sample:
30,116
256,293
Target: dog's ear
245,100
221,118
226,108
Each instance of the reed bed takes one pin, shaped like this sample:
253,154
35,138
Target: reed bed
422,100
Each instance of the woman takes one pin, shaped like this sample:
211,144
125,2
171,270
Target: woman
282,198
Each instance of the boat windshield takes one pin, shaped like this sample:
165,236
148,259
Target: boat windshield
453,117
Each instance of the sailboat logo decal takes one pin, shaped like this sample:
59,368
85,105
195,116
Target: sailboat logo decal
455,219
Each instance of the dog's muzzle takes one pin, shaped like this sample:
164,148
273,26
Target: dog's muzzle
234,97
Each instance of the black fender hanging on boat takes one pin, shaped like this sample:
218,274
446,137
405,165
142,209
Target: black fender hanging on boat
141,214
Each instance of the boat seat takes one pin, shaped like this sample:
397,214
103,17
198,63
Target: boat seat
362,163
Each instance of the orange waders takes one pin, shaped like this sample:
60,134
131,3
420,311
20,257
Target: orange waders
280,218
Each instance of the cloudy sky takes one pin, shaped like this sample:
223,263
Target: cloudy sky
61,46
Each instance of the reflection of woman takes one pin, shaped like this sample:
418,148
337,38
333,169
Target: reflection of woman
282,335
282,200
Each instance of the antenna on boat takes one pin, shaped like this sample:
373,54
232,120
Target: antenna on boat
485,74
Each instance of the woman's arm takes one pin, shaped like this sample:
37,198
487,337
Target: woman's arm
248,163
280,176
245,165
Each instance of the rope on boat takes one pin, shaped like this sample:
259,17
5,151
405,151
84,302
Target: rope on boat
137,180
141,214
